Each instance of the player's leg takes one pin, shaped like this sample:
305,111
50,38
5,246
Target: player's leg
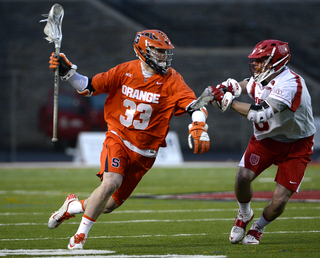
73,206
272,211
278,203
292,159
254,161
95,205
130,167
243,191
114,164
111,205
98,200
243,188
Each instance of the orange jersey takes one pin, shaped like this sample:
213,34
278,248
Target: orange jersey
138,109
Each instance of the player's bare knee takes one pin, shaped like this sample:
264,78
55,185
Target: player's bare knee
244,176
111,181
108,188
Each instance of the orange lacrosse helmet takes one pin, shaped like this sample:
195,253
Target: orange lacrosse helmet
154,48
268,57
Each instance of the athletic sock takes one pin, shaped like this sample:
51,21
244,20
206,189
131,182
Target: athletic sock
262,222
82,204
244,207
85,225
75,207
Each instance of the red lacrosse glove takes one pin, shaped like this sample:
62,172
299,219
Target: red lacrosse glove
231,86
221,100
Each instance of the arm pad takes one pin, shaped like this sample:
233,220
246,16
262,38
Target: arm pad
82,84
260,113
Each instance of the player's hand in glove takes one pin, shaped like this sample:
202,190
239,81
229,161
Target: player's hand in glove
231,86
199,136
66,68
221,100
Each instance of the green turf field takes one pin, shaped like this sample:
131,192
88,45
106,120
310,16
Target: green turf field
145,227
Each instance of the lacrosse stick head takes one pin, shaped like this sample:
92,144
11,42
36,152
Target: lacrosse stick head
203,100
53,28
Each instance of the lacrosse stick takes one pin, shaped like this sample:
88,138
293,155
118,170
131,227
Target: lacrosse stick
203,100
54,34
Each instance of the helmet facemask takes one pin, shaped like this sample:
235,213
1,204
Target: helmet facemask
261,68
159,59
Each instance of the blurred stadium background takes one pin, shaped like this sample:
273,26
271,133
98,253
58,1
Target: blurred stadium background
212,38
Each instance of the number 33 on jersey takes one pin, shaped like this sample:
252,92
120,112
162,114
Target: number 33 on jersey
139,109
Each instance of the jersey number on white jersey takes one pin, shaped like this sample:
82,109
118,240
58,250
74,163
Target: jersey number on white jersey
262,126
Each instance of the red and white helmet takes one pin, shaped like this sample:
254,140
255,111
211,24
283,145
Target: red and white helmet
268,57
154,48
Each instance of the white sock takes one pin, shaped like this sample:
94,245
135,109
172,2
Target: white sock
85,225
262,222
244,207
75,207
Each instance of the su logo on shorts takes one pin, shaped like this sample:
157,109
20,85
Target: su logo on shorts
115,162
254,159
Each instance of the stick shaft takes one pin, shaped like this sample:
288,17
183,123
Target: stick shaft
55,101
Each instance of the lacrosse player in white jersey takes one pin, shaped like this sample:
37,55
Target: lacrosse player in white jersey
283,133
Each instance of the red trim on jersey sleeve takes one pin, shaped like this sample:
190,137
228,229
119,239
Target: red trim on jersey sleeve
296,101
252,90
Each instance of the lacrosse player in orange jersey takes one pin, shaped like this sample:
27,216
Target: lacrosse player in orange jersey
143,95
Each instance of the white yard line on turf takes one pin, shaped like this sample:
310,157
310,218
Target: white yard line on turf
138,211
33,252
105,237
157,211
154,221
80,253
150,236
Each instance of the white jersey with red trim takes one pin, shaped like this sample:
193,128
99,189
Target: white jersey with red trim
288,93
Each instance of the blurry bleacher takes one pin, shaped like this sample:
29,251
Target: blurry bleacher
212,40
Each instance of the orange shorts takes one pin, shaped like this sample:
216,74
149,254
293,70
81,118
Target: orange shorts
291,158
116,157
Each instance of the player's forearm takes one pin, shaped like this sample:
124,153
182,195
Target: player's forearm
240,107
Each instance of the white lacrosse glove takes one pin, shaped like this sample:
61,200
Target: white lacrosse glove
66,68
231,86
260,113
198,134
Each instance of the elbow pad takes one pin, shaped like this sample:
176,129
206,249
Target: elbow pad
260,113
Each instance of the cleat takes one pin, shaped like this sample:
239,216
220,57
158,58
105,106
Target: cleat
240,224
61,215
77,241
254,235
